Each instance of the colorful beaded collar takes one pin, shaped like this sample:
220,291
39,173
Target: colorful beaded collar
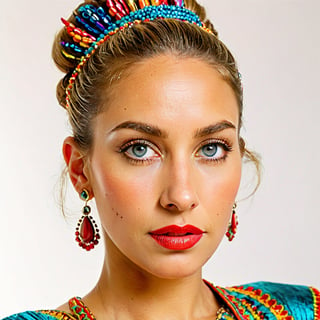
98,26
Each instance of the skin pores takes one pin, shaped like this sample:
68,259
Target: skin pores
165,152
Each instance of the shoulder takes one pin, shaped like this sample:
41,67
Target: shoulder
275,300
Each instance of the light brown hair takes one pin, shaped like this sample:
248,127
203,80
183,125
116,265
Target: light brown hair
133,45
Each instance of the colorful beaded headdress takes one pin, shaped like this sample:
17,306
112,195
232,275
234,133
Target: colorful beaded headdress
100,23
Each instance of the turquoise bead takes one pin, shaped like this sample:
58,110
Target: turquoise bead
98,15
86,210
84,195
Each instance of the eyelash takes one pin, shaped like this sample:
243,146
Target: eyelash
226,145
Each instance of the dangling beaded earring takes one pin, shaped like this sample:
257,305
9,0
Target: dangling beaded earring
232,229
87,232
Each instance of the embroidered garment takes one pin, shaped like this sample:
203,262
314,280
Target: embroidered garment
255,301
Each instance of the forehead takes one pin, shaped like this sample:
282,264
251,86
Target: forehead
168,88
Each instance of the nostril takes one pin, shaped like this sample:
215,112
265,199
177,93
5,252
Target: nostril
173,206
175,200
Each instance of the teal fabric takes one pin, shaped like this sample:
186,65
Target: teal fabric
297,300
248,303
30,315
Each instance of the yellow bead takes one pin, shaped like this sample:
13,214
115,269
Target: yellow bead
77,38
132,5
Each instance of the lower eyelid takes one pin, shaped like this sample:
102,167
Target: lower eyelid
137,162
214,161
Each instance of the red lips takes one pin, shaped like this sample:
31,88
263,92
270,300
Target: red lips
177,238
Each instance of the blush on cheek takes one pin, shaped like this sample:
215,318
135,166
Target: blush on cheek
231,184
225,189
119,196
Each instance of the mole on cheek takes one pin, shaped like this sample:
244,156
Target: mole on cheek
117,213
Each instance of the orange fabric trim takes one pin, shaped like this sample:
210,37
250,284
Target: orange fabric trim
78,311
60,315
231,304
316,303
278,310
257,315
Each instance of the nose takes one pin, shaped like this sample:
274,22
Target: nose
179,193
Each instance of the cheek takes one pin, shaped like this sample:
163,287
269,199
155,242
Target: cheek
218,196
125,201
222,184
122,194
228,185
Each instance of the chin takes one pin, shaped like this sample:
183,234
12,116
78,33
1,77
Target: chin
177,266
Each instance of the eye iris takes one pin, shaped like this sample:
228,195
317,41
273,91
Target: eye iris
209,150
139,150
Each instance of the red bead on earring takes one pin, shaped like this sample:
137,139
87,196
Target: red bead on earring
232,229
87,232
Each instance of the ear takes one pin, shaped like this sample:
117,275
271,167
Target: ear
76,165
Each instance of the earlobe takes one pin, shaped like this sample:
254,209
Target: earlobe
75,162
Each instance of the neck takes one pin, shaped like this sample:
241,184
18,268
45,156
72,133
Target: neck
124,291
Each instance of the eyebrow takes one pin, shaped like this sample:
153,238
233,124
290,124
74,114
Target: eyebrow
141,127
155,131
217,127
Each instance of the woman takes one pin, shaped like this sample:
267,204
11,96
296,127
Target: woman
155,103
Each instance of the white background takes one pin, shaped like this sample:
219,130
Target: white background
277,45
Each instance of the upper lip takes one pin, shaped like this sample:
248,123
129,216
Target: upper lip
175,230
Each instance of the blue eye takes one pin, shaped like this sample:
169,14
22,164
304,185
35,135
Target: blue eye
140,151
209,150
214,151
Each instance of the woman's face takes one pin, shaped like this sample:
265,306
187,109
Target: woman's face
166,155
